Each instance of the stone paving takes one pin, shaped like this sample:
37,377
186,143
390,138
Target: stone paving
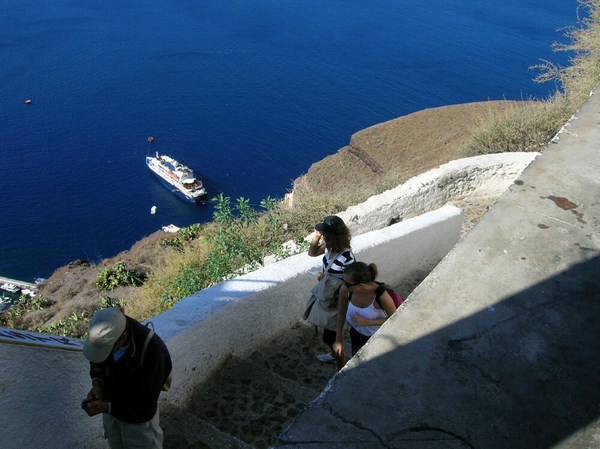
253,399
248,402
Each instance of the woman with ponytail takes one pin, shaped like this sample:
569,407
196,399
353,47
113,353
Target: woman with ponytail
359,307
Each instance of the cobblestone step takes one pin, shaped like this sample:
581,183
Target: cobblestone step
292,355
248,402
182,430
253,399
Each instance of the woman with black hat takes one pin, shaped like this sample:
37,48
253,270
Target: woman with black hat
332,240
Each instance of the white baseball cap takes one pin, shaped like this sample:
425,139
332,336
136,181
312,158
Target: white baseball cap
106,326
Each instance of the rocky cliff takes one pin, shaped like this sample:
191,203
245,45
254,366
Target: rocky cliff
406,146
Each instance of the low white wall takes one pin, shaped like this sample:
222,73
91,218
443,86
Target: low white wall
40,395
479,176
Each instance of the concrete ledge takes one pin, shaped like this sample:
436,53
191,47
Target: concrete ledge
479,176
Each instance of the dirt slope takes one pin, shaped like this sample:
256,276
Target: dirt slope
409,145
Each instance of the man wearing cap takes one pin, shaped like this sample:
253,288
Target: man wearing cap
129,366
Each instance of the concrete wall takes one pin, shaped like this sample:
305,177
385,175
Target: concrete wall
41,388
40,395
479,176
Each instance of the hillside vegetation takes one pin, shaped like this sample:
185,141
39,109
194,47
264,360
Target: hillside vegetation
163,268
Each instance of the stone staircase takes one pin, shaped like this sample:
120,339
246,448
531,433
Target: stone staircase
248,402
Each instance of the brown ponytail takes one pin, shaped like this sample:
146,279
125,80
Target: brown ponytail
361,272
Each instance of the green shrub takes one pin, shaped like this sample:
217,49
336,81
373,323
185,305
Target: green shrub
107,301
35,303
75,325
118,275
183,237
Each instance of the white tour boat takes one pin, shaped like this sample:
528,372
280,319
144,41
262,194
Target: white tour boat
178,178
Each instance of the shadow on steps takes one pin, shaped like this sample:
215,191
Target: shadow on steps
248,402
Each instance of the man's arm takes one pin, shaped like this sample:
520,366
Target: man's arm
94,403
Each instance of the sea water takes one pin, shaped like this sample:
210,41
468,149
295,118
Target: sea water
249,93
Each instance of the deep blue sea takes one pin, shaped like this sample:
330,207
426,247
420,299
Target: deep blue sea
249,93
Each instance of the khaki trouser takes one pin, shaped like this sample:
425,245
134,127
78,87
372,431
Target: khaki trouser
124,435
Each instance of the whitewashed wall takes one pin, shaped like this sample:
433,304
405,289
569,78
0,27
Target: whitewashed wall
479,176
40,395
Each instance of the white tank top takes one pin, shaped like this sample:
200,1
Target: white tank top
369,313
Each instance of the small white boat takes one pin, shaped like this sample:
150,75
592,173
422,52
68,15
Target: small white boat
170,228
28,292
11,288
178,178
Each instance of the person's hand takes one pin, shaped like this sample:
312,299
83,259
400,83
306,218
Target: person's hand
359,320
94,393
320,276
338,349
338,353
94,406
315,249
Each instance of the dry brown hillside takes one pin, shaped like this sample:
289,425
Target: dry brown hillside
409,145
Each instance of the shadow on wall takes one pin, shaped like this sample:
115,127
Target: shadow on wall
521,374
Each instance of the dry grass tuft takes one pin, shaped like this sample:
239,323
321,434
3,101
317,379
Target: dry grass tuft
526,126
159,292
583,72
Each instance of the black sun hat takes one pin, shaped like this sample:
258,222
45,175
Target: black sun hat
331,225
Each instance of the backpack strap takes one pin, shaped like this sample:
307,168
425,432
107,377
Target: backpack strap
381,288
333,258
150,326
